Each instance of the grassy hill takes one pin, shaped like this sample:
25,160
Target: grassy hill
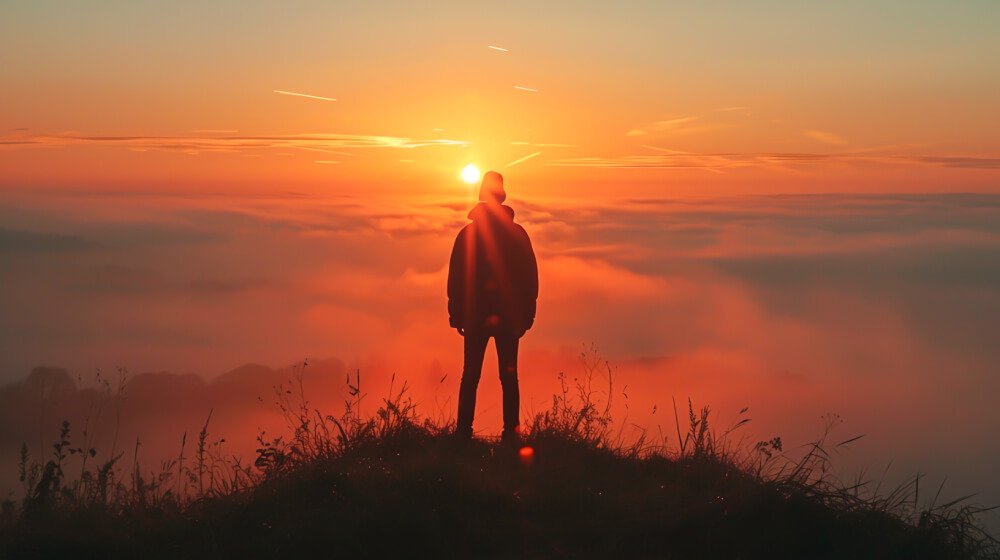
395,485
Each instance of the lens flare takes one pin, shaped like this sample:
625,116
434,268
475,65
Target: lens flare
470,174
527,455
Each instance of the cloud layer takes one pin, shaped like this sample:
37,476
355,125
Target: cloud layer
879,307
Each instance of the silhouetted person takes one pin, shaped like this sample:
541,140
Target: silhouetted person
492,288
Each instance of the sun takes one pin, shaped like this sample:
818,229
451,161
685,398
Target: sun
470,174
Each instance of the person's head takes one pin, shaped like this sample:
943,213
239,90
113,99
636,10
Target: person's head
492,188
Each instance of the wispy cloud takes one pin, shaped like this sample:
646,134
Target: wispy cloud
970,162
646,161
711,121
325,151
501,49
825,137
662,125
528,89
322,142
543,144
292,93
524,159
214,131
671,159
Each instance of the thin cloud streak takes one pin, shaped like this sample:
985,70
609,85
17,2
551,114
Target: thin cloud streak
661,126
524,159
825,137
528,89
672,159
307,148
500,49
324,142
303,95
543,144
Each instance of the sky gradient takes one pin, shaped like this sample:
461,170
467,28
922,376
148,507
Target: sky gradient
794,207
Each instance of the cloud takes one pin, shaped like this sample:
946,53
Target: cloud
966,162
543,144
724,161
118,280
689,125
28,241
825,137
292,93
225,142
523,159
662,125
868,305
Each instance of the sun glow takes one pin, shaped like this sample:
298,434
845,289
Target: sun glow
470,174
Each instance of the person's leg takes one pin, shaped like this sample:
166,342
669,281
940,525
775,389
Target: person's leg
475,350
507,359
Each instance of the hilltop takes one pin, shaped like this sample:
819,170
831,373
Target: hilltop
395,485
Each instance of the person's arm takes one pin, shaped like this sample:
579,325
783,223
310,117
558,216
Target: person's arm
456,283
531,274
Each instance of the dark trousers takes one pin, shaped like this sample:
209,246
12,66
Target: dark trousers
475,350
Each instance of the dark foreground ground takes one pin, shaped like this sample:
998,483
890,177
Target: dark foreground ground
416,494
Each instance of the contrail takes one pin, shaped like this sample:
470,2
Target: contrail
501,49
324,151
532,90
303,95
525,158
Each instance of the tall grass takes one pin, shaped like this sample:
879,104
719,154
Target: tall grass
579,417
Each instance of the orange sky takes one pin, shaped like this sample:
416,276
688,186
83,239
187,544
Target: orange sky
659,98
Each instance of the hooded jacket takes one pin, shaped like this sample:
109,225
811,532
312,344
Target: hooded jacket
493,275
